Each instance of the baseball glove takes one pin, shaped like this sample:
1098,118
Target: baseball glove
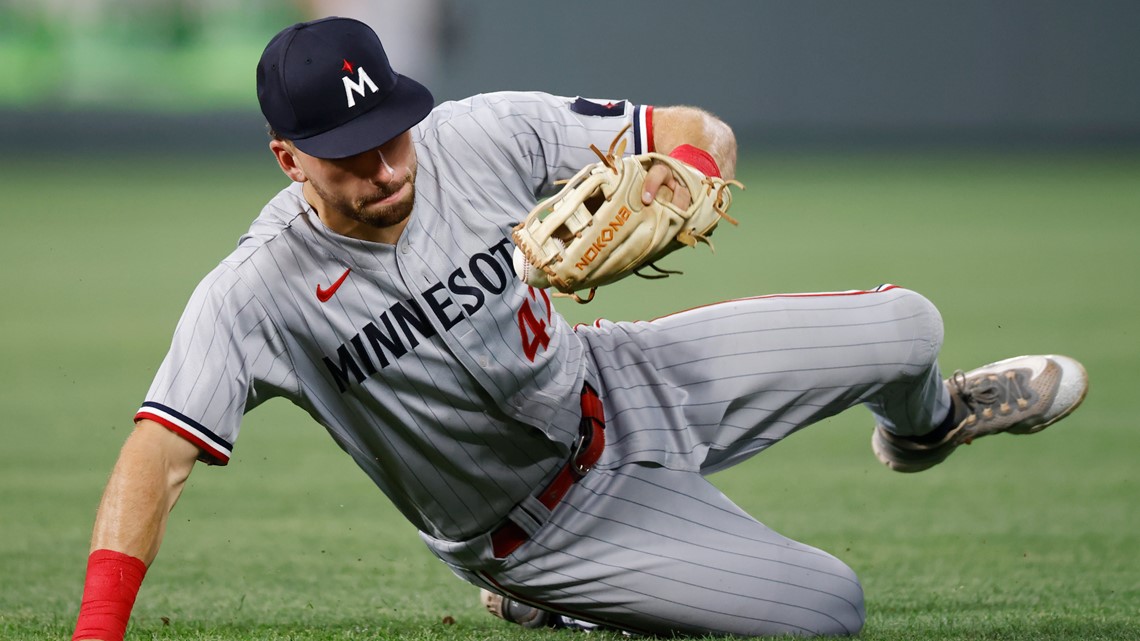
596,230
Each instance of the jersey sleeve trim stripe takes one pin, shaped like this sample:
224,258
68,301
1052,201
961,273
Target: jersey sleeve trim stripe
215,449
642,129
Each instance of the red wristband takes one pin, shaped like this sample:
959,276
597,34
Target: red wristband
113,581
698,158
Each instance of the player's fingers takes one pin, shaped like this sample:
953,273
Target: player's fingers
657,176
660,180
681,196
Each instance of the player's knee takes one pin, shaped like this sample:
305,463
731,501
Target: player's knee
847,613
925,327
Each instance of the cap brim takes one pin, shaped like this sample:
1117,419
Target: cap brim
407,104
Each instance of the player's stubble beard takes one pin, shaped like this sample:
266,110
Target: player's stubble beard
366,209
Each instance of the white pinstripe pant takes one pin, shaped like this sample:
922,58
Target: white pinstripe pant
653,546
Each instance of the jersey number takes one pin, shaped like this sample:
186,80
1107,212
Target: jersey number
532,330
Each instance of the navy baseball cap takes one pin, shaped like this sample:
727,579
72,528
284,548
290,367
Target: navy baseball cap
327,85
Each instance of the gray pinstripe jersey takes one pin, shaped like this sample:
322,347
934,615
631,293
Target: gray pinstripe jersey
451,384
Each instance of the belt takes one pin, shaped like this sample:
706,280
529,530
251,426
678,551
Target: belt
586,452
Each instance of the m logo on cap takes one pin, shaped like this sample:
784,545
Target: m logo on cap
357,87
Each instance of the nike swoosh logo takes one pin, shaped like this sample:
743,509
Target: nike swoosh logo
324,295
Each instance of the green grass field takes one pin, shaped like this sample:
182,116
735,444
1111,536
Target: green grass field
1014,538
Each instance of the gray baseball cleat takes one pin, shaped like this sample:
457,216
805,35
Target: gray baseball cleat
525,615
1021,395
529,616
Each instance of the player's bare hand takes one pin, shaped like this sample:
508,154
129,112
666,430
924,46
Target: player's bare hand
660,177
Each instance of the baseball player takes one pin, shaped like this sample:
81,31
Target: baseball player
561,469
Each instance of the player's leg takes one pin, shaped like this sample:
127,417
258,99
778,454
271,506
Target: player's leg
653,550
730,379
725,381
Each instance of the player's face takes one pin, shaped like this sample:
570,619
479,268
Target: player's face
375,188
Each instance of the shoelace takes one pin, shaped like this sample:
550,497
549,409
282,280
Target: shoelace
985,392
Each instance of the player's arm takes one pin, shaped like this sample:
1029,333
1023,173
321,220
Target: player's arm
145,484
677,127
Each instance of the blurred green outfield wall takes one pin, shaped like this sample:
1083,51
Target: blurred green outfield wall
134,54
808,70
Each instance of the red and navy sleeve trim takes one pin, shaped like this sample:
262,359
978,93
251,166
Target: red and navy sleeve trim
642,129
215,449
